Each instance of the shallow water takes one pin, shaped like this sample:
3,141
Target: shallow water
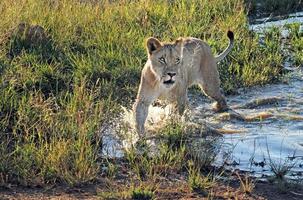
277,140
273,141
260,144
265,23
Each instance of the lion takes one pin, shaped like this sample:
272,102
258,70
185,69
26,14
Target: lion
172,68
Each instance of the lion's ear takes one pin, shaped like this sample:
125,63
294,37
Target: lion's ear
152,44
179,41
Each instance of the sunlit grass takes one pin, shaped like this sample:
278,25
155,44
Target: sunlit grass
56,96
247,184
296,43
198,182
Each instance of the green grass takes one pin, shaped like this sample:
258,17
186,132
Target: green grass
140,192
149,167
57,95
247,183
296,39
198,182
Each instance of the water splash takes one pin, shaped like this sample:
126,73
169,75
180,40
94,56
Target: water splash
122,136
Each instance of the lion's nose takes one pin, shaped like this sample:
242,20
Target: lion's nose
171,74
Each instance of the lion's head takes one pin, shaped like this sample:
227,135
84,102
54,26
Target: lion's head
165,60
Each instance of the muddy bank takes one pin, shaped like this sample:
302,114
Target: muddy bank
174,186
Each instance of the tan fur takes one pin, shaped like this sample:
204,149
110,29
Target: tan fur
173,67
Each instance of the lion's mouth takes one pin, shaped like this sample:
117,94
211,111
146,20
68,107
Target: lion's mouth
169,82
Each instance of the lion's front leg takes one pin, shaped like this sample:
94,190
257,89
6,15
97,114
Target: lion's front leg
182,101
141,112
182,104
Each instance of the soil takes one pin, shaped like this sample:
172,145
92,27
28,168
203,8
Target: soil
167,188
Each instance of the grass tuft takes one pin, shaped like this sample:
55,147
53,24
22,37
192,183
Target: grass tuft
197,182
247,184
142,194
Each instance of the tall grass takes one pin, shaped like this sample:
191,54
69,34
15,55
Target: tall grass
296,38
55,97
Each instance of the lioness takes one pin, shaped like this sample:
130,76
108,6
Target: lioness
173,67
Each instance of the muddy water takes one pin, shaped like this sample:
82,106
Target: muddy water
256,145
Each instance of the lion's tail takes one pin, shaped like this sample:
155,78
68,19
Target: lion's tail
221,56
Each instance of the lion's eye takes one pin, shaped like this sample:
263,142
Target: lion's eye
177,60
162,60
